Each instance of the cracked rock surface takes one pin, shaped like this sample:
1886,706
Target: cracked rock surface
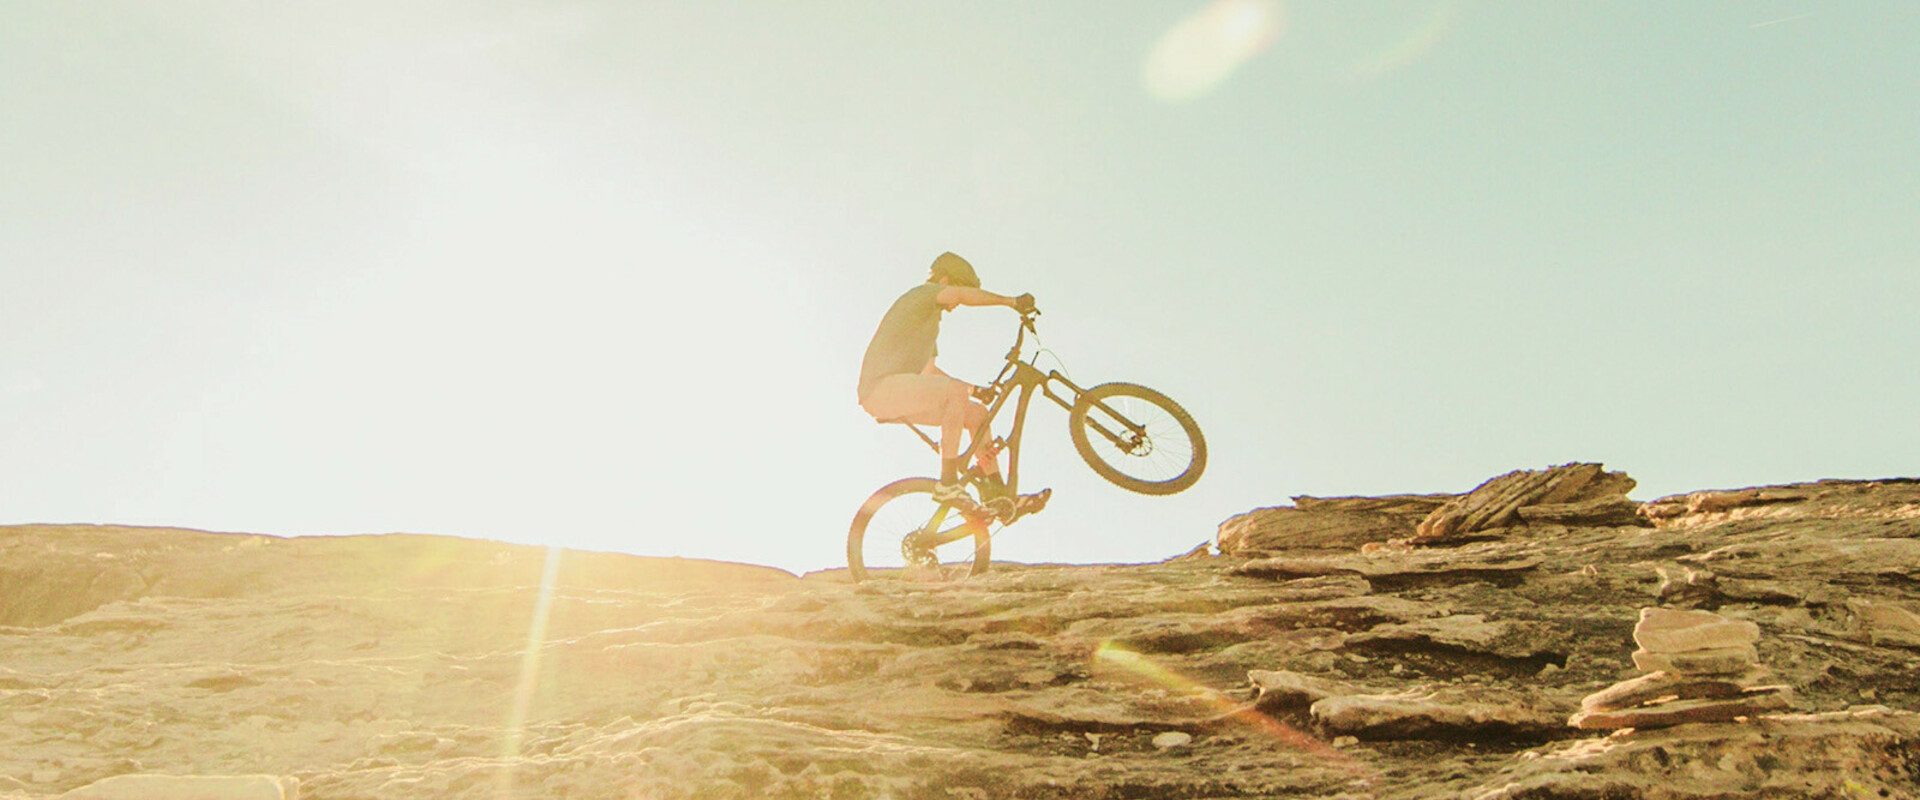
1355,667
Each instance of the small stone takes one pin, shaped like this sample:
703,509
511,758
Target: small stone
1722,661
1345,741
1667,630
1172,739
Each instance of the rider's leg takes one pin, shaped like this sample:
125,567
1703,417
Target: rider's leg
961,412
983,455
953,418
933,400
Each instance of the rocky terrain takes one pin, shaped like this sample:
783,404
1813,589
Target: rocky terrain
1492,645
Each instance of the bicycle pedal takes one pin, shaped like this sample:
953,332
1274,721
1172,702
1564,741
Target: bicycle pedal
1030,503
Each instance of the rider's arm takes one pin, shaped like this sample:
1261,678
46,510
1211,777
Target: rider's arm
969,296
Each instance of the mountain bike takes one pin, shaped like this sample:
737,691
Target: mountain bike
1129,434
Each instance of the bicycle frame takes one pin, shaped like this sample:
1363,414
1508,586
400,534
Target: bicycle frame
1021,377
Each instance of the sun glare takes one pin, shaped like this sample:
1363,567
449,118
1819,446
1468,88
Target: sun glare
1114,655
1414,46
1204,49
529,670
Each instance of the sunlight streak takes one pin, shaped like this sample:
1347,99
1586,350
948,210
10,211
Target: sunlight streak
529,671
1202,50
1415,46
1119,656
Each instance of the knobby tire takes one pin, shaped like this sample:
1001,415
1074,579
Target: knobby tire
899,509
1167,457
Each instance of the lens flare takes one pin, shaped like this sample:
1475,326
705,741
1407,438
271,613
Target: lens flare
529,671
1413,47
1204,49
1116,655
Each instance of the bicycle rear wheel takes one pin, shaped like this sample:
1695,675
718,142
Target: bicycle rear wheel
1137,438
900,532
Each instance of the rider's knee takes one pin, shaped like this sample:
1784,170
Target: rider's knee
976,413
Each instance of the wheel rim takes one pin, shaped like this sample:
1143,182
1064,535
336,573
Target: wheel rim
1159,451
903,520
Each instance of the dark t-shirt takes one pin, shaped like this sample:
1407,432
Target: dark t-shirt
904,343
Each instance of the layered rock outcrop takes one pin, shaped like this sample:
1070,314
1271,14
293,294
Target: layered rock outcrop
412,666
1581,494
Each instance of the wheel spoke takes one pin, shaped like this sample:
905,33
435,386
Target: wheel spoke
1137,438
902,533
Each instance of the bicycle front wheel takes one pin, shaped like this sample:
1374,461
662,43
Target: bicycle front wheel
900,532
1137,438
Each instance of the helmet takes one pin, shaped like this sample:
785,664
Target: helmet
955,269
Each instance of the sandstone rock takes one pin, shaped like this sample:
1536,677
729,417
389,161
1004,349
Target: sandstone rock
377,667
1837,755
1279,529
1718,661
1497,502
1416,506
1281,689
1723,501
1814,558
1659,685
1688,587
1417,714
188,787
1749,702
1667,630
1388,564
1609,510
1709,502
1471,632
1886,623
1172,739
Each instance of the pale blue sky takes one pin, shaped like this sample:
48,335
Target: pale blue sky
599,273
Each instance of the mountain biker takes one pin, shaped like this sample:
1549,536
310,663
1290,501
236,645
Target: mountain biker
899,382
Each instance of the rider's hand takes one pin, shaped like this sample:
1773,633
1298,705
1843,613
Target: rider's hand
1024,304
